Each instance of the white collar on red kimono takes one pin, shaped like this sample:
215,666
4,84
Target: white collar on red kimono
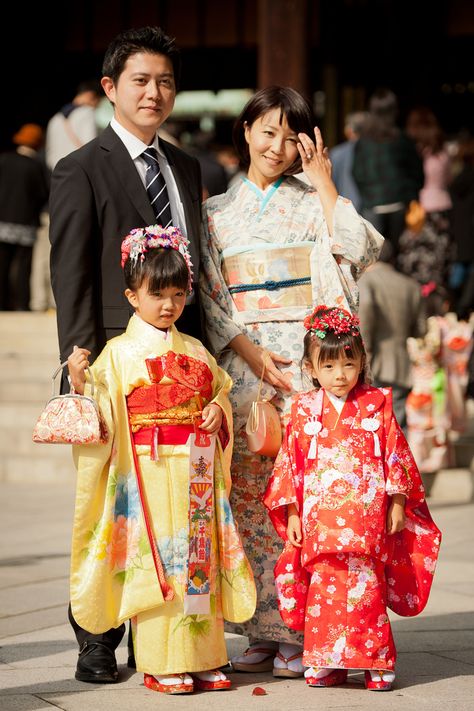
338,402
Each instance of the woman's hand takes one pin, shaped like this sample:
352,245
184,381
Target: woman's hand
317,167
315,159
293,529
211,418
77,364
396,514
259,359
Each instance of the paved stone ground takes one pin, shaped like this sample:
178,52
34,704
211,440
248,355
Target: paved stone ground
38,651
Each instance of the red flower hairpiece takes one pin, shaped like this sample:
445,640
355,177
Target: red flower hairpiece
332,320
140,240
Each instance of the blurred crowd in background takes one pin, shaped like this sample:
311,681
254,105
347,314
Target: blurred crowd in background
413,182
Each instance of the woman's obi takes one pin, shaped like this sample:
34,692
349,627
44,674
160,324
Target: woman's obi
268,282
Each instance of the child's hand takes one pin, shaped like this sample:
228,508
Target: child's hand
77,364
211,418
396,514
293,529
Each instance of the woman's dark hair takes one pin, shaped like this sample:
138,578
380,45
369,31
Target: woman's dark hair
424,128
293,106
334,346
383,113
145,39
161,268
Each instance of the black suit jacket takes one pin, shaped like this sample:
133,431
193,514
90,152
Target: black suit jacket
96,198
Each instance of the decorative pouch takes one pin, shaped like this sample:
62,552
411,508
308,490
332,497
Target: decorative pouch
71,418
263,428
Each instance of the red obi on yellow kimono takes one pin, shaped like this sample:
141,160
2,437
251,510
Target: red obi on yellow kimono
339,470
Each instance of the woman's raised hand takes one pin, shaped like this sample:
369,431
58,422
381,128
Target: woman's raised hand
77,363
317,167
315,159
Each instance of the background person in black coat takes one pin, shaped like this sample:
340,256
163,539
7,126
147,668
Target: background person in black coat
462,227
24,186
98,196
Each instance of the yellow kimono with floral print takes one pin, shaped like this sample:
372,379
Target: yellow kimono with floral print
113,577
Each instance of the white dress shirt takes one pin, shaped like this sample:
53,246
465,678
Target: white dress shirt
135,147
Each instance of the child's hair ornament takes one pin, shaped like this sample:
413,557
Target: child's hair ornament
326,319
140,240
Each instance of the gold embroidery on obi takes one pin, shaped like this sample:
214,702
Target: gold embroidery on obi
180,415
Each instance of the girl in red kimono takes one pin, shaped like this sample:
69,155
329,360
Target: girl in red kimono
346,496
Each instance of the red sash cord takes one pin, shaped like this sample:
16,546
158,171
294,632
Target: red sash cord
167,590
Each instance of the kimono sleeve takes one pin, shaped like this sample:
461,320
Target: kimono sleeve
411,553
401,473
216,299
100,388
284,486
221,386
355,242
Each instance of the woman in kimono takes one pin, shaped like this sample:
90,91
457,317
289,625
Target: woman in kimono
154,538
273,246
436,406
346,496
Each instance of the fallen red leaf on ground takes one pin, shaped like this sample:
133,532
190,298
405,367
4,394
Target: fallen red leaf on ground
258,691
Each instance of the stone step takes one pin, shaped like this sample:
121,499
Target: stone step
27,334
20,416
25,344
19,442
18,391
38,366
24,322
29,354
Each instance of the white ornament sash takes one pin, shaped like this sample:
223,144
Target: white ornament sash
197,598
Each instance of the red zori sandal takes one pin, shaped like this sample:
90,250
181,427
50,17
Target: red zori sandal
213,680
169,683
325,677
379,679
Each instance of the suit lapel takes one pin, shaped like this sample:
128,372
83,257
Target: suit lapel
124,168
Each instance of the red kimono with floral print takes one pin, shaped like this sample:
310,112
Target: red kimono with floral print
340,470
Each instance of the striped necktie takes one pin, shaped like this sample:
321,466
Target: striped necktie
156,188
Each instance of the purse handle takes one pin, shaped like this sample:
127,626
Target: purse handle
264,365
60,368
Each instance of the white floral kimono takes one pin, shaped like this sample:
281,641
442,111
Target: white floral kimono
267,259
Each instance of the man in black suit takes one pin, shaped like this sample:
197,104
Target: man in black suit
98,196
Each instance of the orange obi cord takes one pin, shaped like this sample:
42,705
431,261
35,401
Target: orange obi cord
167,590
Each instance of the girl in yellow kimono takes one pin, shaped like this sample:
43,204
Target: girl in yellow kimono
154,537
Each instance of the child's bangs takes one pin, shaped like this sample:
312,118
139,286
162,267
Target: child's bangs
345,345
166,268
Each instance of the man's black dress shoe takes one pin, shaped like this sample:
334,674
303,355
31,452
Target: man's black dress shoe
96,664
